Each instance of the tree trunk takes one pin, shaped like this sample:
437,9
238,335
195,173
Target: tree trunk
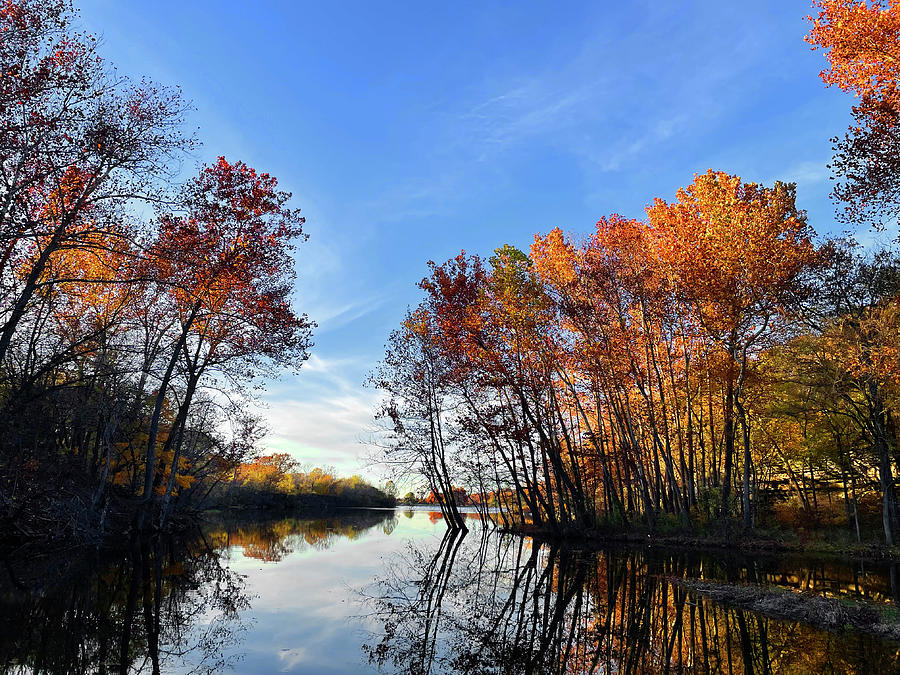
153,433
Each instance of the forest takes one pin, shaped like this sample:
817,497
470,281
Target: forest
714,367
137,309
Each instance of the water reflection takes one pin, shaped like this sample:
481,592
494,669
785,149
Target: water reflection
139,613
274,539
157,606
394,592
495,604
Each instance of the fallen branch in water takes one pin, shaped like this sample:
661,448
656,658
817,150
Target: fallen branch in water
832,614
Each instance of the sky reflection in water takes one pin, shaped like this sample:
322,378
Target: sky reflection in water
306,605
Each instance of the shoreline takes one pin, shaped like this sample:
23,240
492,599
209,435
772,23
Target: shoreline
181,522
754,544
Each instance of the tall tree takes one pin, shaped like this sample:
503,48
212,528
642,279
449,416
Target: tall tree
738,255
227,266
76,141
861,41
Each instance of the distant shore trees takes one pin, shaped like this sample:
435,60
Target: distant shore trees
258,481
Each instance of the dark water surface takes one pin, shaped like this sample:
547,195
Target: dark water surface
393,592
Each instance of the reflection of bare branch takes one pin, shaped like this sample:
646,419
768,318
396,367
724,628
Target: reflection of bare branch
420,601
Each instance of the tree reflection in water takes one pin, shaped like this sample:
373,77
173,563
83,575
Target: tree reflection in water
500,605
473,603
158,606
273,539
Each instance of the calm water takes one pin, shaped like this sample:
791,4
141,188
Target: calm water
392,592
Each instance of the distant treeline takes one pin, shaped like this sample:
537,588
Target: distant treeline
711,364
279,481
136,310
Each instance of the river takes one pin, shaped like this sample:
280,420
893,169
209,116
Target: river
380,591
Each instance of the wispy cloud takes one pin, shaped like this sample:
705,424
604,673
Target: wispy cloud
330,316
805,173
618,153
525,110
608,104
328,367
322,416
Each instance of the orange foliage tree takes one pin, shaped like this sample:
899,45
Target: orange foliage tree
861,41
737,255
605,378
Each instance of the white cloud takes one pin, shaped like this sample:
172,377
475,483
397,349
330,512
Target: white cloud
291,658
330,315
325,430
326,366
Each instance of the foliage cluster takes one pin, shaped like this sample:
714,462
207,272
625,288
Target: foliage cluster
281,474
135,311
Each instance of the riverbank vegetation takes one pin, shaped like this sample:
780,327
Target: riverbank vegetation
714,366
135,309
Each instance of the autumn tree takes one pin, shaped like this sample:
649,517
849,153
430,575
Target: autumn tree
76,141
617,310
226,264
413,377
856,329
861,41
126,343
738,255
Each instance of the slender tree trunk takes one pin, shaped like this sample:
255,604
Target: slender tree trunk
153,433
745,426
728,433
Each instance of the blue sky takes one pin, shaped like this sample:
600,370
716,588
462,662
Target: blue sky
410,130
